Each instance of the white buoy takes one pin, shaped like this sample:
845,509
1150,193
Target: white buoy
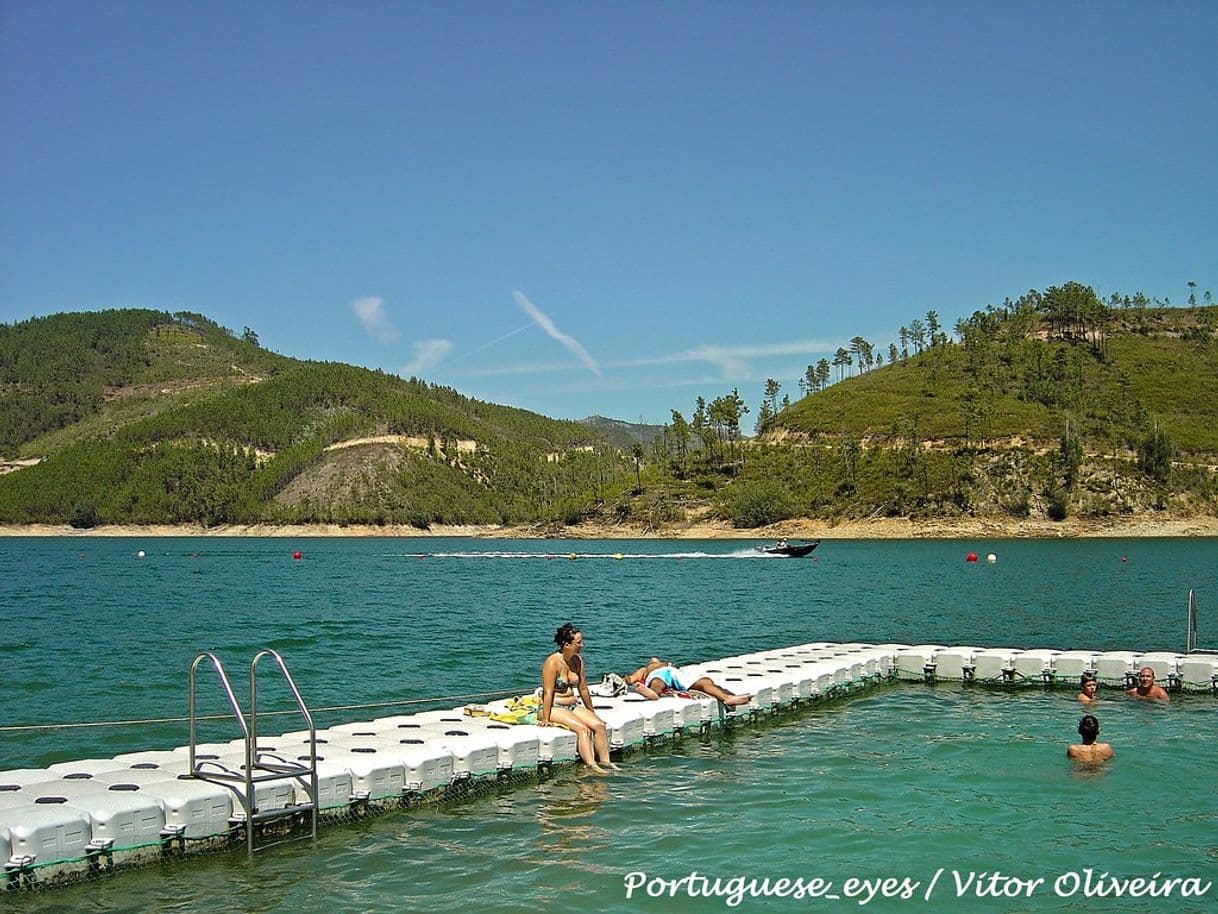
991,558
140,554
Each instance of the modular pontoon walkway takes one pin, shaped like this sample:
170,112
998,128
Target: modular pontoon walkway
77,818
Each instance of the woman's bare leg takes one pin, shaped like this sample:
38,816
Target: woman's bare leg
600,737
707,685
569,718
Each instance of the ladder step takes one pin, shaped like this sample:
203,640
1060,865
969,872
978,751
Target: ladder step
268,815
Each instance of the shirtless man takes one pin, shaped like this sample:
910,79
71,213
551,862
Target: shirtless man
1087,687
1147,689
1089,751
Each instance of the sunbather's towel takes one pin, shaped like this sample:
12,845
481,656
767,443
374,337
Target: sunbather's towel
519,710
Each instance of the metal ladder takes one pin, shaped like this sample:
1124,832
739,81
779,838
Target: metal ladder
259,768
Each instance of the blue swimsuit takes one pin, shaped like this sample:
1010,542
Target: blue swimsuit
667,675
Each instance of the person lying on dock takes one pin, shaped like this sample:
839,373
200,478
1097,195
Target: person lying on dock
1087,687
1147,689
1089,751
659,676
565,700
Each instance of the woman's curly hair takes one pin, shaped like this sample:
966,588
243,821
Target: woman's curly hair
565,635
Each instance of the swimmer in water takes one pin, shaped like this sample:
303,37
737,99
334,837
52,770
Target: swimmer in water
1087,687
1089,752
1147,689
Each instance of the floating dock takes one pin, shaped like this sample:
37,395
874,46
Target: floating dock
76,819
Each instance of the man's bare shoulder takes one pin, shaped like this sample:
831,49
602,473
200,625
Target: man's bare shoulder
1096,752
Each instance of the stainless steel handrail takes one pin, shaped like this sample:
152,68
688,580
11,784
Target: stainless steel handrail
1190,639
251,740
228,691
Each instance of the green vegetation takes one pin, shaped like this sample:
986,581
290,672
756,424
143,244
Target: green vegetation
1055,405
173,419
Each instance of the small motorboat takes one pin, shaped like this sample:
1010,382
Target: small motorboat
790,550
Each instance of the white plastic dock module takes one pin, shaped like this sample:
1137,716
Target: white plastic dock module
994,664
1034,664
624,726
1165,664
475,755
1111,666
1199,673
375,775
22,777
125,817
1072,664
267,795
48,832
517,750
913,661
658,716
201,808
427,764
335,785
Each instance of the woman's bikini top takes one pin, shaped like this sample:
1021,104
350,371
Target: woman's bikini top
562,684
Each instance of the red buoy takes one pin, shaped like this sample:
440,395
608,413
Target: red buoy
971,557
297,555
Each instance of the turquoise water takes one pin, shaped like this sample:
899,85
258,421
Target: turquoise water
896,784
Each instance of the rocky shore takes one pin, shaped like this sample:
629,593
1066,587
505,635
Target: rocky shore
879,528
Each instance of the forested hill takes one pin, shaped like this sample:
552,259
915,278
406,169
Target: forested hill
1053,406
140,416
1025,373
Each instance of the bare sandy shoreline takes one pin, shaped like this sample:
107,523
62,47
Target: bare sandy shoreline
880,528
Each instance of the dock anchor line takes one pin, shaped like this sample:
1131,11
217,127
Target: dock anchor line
63,823
257,768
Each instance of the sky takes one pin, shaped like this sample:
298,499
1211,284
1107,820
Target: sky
600,208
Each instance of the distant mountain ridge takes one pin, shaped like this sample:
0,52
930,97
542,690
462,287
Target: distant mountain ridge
623,435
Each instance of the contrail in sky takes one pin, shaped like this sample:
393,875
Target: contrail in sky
497,340
544,322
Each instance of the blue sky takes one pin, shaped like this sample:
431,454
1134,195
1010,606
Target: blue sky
599,208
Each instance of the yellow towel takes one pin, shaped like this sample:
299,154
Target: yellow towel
519,710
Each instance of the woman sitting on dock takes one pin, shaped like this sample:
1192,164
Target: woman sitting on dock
565,700
659,676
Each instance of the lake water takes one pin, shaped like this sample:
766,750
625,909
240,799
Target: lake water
899,783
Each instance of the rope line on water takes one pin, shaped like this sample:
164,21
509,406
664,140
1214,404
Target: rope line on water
18,728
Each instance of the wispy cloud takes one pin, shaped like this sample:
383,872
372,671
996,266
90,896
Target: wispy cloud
543,321
371,313
733,361
426,354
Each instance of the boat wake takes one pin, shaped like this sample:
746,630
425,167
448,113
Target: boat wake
747,553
